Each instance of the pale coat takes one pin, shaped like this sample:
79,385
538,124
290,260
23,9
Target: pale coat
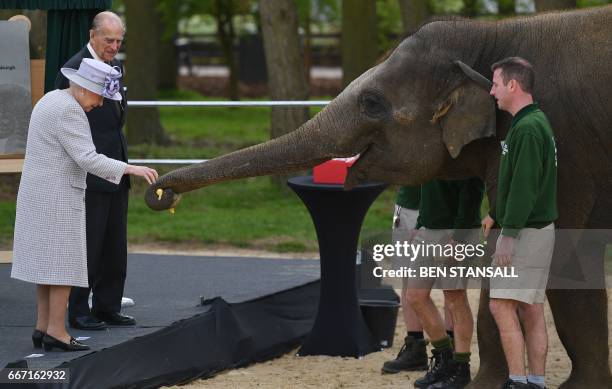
49,242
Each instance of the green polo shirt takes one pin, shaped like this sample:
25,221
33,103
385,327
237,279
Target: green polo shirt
527,182
451,205
409,197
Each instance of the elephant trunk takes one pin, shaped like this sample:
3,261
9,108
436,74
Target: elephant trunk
314,142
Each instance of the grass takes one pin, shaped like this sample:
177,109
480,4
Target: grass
249,213
207,132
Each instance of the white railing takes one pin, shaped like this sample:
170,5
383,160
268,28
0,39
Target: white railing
263,103
291,103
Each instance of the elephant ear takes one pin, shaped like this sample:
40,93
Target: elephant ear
468,113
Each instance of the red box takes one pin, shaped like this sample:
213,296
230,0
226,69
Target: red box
333,171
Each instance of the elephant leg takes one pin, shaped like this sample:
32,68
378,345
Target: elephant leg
493,370
581,319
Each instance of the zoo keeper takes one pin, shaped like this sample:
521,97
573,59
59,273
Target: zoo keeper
526,209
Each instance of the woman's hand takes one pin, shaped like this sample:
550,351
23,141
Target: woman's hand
143,171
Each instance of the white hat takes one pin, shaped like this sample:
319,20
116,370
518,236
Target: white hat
97,77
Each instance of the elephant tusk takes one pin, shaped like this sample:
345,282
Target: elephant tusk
159,194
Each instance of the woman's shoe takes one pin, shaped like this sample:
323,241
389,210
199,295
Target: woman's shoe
49,342
37,337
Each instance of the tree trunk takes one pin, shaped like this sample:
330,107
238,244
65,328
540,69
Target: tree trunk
414,12
225,33
549,5
167,55
506,7
359,38
307,46
286,78
470,8
142,71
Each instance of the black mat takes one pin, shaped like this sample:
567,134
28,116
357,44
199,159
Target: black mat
165,289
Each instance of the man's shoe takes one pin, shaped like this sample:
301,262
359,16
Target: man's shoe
515,385
115,318
438,368
88,323
411,357
458,377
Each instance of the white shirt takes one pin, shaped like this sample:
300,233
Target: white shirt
93,53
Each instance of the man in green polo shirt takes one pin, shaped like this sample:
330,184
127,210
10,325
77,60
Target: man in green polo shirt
413,353
526,209
449,210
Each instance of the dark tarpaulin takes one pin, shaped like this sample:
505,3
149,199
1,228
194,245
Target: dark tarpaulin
68,23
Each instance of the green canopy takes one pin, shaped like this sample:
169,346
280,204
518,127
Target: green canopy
68,23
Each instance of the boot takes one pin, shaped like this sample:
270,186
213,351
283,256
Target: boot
438,368
457,378
411,357
534,386
515,385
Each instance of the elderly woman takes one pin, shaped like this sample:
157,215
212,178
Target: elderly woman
50,245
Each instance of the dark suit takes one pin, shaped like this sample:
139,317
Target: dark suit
106,207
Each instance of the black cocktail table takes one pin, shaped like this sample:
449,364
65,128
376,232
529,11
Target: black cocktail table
339,328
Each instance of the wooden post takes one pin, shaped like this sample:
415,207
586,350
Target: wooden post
37,77
6,256
11,165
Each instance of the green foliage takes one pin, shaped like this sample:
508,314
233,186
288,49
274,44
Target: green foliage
446,7
324,15
592,3
389,23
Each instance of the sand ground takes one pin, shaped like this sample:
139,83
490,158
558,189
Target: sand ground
321,372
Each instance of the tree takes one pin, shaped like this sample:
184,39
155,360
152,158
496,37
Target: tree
142,71
359,38
224,12
549,5
286,76
414,13
470,8
167,30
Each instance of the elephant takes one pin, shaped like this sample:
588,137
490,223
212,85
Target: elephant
425,112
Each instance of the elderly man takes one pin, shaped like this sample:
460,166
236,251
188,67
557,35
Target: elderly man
106,203
526,209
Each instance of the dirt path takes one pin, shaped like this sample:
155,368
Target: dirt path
320,372
214,251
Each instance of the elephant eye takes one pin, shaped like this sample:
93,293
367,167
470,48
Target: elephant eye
374,104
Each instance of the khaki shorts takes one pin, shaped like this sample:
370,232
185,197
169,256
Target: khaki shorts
533,249
434,261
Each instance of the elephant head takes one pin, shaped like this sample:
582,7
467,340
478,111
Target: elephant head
409,118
